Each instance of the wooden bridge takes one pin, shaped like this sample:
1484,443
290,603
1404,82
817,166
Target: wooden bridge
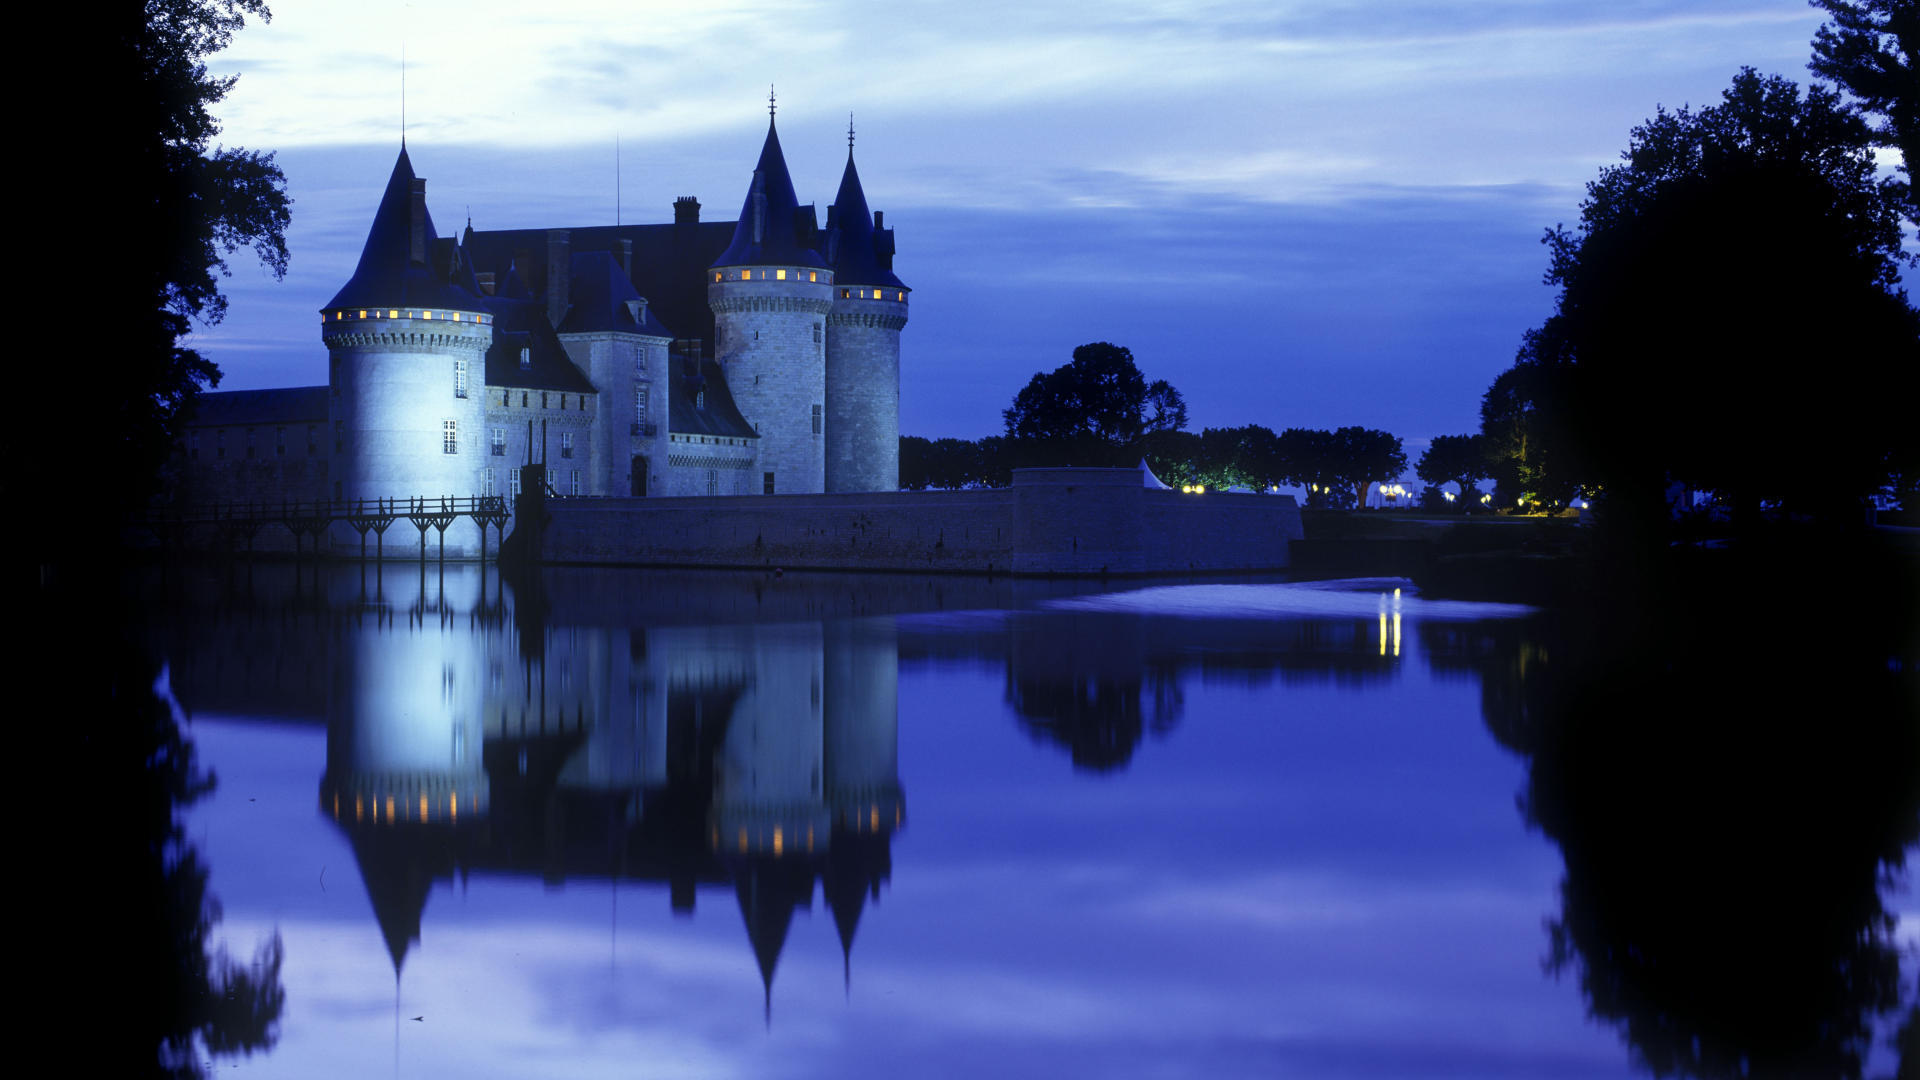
238,523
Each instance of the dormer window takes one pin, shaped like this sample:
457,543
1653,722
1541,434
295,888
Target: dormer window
526,358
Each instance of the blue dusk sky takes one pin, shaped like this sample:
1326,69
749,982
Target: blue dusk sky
1301,214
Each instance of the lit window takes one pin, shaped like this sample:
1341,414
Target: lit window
717,275
456,316
746,275
393,314
450,437
846,294
363,314
780,275
426,314
900,296
813,275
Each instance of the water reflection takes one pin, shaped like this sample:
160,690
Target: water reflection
1732,803
757,755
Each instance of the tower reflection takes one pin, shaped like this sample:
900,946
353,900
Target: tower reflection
760,756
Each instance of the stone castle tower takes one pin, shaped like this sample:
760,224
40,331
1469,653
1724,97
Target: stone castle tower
863,344
406,338
770,292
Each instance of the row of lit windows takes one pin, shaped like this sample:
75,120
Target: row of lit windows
778,275
395,313
397,809
872,294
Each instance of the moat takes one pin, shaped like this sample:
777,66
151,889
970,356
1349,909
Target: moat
736,824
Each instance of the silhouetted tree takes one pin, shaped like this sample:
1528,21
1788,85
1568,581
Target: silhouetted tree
157,216
1461,459
1525,424
1730,314
1872,49
1335,467
1093,410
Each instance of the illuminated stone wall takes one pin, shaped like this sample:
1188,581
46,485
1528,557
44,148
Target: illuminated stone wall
770,340
863,390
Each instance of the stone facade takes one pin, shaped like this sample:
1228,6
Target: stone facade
770,339
1050,522
863,388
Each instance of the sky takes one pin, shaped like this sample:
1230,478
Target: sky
1300,214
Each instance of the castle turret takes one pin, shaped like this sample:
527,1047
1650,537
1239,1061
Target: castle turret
863,344
405,338
770,292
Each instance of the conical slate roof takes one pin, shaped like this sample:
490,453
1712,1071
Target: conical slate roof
773,229
860,255
387,275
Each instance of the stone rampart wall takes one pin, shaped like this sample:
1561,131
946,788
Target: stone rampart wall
1051,521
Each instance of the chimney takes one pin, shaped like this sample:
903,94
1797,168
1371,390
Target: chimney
624,253
879,220
559,265
686,210
759,207
417,221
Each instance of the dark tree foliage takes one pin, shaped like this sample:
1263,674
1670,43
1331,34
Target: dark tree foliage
1729,315
157,219
1525,426
1461,459
1335,467
1872,49
1093,410
952,464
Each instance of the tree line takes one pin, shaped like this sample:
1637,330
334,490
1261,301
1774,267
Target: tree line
1099,410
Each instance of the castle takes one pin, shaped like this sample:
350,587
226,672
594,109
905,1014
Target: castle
757,356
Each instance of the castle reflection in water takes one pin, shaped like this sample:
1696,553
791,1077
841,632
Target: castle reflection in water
738,730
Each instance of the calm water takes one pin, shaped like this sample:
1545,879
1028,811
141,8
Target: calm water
730,825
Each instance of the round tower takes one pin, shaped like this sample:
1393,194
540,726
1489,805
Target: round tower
863,344
406,341
770,292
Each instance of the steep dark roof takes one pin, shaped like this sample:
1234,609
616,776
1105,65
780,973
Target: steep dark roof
239,408
522,324
603,299
387,275
860,255
718,416
786,230
669,265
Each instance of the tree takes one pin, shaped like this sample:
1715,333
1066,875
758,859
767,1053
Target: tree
159,222
1093,410
1729,314
1459,458
1525,424
1332,465
1872,49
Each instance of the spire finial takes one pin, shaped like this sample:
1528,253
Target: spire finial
403,95
849,132
769,102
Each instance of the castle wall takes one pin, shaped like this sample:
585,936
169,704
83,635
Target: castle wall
863,391
707,465
771,342
620,365
1052,521
396,391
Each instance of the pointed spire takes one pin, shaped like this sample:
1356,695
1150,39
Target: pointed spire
861,254
774,229
387,274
